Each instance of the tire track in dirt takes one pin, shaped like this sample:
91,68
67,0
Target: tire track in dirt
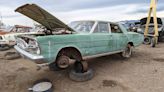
117,83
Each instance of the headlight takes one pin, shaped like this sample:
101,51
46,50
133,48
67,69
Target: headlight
34,47
29,45
38,51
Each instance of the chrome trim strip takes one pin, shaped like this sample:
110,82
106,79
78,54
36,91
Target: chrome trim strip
28,55
100,55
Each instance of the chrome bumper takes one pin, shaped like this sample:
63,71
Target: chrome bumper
37,58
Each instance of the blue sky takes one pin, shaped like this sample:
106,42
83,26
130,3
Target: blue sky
68,10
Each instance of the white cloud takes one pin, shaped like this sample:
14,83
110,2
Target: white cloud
10,17
115,13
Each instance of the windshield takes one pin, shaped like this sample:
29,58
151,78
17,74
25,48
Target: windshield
82,26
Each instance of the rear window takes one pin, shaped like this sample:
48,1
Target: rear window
102,27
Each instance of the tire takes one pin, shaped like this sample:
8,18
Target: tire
153,42
80,77
11,55
127,53
147,40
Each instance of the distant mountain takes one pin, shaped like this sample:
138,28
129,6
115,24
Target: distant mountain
130,21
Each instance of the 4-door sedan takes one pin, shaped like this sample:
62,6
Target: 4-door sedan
79,41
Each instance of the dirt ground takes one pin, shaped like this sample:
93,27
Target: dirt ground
143,72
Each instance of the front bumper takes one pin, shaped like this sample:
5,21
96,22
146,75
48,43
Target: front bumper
3,43
36,58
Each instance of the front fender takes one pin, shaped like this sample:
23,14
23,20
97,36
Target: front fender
50,50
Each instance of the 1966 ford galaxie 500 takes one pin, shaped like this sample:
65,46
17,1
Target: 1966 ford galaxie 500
79,41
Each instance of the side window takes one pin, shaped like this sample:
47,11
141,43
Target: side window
115,28
102,27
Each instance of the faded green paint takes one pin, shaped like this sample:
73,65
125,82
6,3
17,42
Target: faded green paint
87,44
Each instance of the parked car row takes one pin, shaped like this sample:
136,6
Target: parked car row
151,30
140,25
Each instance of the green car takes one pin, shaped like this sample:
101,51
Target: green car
78,41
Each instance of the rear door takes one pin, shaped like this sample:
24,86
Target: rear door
119,37
101,39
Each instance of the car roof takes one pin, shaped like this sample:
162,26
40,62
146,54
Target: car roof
94,21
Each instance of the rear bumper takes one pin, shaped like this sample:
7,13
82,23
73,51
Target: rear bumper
36,58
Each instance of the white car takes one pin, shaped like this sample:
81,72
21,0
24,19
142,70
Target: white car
7,39
10,39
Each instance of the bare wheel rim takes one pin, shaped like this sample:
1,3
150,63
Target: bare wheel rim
63,62
128,51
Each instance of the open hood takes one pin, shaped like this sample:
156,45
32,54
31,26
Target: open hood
42,16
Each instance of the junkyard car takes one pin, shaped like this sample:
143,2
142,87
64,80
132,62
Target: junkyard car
80,41
160,21
10,40
7,39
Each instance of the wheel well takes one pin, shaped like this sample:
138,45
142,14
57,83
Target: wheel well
131,43
71,52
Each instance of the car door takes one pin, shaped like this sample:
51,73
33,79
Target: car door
119,37
101,39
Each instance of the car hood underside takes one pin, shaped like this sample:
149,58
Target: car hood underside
42,16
